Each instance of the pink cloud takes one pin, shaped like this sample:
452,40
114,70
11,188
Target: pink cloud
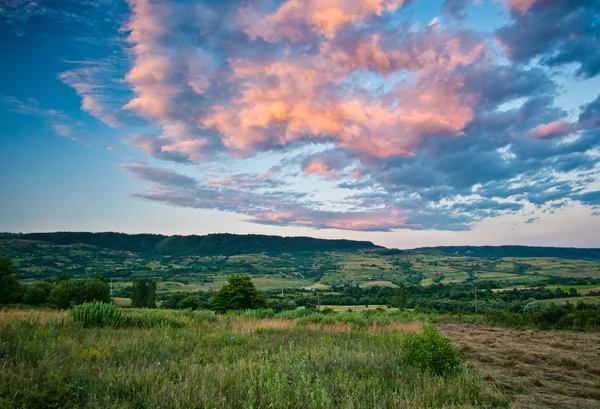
375,220
295,19
522,5
320,168
552,130
287,100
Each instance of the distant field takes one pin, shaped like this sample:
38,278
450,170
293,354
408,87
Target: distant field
273,271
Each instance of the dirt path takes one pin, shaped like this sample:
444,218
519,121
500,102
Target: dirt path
541,369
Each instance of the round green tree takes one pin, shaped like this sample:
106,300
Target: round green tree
10,288
238,294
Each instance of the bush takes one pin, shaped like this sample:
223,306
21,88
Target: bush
430,350
74,292
98,314
37,293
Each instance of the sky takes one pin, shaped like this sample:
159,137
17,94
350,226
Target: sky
405,122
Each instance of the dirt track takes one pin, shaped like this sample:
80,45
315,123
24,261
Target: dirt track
541,369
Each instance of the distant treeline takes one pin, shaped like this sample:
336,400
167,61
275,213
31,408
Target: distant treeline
514,251
209,245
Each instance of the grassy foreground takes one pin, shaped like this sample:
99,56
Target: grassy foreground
183,359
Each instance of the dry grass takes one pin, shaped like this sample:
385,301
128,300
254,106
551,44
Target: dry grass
122,302
244,325
43,316
542,369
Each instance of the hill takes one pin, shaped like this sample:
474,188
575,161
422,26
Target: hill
570,253
209,245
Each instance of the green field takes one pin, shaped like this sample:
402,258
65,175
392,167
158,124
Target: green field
192,360
44,261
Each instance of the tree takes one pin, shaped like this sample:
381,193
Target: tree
10,288
401,297
238,294
37,293
62,277
143,293
192,302
74,292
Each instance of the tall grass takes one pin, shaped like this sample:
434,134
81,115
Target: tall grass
98,314
204,364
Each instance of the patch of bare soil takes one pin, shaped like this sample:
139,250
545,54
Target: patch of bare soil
541,369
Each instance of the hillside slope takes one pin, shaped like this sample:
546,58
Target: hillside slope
209,245
570,253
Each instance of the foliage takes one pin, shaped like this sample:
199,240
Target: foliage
98,314
430,350
238,294
515,251
212,244
37,293
62,277
143,293
10,289
183,301
78,291
212,365
401,297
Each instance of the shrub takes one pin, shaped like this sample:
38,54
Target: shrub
74,292
98,314
37,293
430,350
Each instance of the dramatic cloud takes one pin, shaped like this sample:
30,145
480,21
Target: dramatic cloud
559,32
353,114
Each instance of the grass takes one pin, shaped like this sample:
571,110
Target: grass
232,361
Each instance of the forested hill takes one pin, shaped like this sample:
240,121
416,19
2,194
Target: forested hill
514,251
211,244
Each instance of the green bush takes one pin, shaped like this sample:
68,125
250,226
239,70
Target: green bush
430,350
37,293
98,314
74,292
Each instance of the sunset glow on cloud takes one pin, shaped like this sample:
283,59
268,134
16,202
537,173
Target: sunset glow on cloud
362,115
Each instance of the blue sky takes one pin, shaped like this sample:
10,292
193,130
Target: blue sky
408,123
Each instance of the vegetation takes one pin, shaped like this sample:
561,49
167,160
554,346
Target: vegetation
78,291
143,293
10,289
430,350
212,244
98,314
238,294
515,251
234,362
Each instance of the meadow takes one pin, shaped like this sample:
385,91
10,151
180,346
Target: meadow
254,359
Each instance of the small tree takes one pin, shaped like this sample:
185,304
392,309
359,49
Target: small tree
10,288
238,294
62,277
37,293
143,293
401,297
74,292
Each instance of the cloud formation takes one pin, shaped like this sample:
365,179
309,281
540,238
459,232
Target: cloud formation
404,125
